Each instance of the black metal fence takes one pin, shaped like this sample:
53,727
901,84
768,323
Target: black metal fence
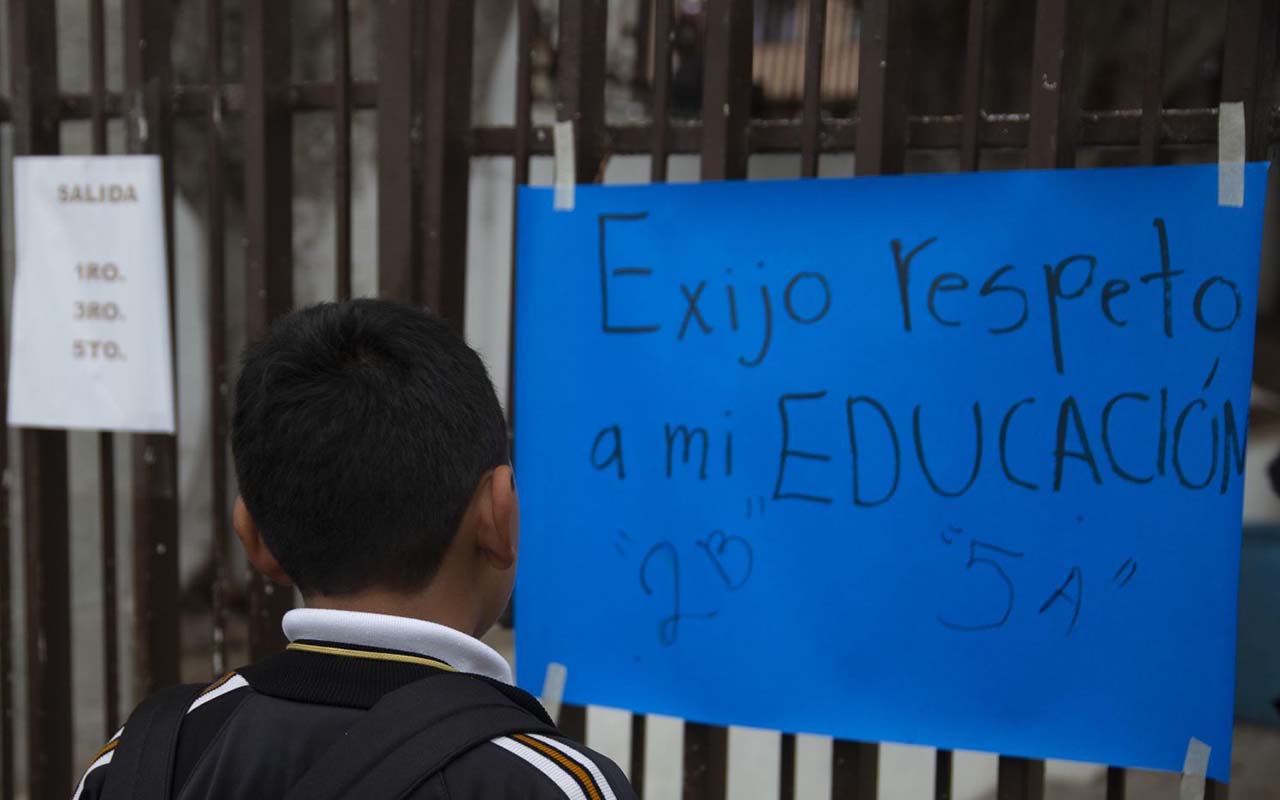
425,143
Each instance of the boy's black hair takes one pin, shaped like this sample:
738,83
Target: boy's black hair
361,431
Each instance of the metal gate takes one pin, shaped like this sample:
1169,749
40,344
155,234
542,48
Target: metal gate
425,144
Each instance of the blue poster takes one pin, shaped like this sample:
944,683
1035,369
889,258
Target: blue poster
951,460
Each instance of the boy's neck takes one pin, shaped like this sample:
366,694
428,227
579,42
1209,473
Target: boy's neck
414,605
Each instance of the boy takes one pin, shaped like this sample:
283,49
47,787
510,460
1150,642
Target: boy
371,454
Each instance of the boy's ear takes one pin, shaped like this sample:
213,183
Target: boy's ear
259,555
498,535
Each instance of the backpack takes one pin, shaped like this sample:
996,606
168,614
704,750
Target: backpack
406,738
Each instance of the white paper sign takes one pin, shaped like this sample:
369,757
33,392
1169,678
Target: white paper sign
91,339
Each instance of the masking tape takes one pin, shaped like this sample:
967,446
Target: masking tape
1194,767
553,689
566,177
1231,154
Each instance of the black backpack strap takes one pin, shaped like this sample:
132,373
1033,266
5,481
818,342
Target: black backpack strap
142,767
413,733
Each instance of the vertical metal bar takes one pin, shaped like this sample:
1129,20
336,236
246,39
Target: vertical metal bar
1216,791
1240,52
1248,55
1268,48
446,162
48,617
7,778
580,73
855,770
726,89
1055,85
1055,63
970,153
110,609
97,77
1020,779
6,575
1116,783
106,443
1153,81
787,768
971,103
811,118
573,722
943,770
520,176
1249,58
883,60
726,113
268,204
524,89
580,82
706,762
148,73
638,726
659,148
342,145
34,71
399,127
219,388
659,26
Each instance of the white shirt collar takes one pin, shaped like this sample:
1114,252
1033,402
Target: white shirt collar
462,652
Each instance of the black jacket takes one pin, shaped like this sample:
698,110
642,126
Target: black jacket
256,731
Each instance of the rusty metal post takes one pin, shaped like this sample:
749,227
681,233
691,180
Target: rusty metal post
34,70
268,205
148,80
446,161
